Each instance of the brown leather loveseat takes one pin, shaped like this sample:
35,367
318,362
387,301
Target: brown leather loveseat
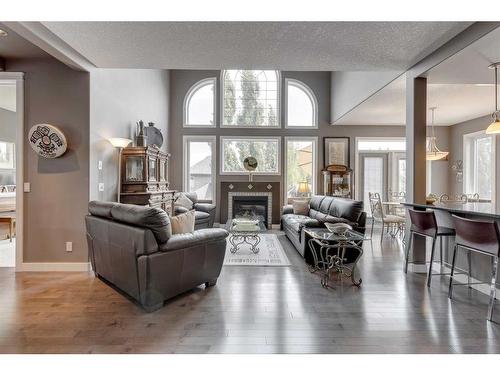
132,247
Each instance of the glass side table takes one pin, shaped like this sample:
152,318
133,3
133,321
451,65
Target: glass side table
335,253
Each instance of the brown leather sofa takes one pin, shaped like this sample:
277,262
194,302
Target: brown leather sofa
322,209
133,248
204,213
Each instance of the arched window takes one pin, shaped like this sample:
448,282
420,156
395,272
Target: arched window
199,104
302,106
250,98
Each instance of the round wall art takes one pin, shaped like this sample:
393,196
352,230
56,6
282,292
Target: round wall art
47,141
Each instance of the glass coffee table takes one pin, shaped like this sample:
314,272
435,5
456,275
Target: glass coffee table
335,252
243,233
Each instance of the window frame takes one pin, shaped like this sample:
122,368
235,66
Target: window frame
189,94
314,178
472,137
278,108
221,169
309,92
185,161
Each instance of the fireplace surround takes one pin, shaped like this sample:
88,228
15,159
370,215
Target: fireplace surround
254,205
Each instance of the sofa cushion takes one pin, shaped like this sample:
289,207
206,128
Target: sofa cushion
348,209
197,238
183,223
297,222
183,201
151,218
315,202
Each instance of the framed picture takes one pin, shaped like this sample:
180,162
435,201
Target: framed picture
336,151
7,156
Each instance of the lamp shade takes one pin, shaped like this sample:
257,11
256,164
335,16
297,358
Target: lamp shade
494,127
303,188
433,152
120,142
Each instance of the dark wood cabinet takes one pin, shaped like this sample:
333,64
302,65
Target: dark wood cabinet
144,178
337,181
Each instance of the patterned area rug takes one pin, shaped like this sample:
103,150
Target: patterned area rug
270,253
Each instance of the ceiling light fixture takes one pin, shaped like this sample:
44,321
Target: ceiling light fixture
3,33
494,127
433,152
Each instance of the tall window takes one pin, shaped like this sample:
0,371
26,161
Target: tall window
302,107
301,159
479,166
250,98
265,150
199,104
199,166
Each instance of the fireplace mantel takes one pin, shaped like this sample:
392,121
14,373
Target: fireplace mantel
244,188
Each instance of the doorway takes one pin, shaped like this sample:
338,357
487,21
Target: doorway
11,171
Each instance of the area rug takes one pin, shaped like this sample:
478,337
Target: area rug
271,254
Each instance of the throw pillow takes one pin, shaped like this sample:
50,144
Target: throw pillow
184,201
300,207
183,223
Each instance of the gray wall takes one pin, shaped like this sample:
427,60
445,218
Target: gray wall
8,121
118,99
55,208
319,82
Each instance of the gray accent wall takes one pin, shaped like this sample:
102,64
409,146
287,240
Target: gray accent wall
55,209
319,82
118,99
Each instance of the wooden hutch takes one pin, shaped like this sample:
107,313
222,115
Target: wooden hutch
144,178
337,181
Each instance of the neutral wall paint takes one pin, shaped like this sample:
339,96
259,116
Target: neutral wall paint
319,82
8,120
118,99
55,208
351,88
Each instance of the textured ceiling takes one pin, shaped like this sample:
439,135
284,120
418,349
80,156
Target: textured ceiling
265,45
13,46
460,87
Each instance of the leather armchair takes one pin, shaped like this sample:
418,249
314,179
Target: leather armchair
204,212
133,248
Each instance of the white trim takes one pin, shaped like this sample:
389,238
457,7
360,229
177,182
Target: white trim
19,79
254,138
212,139
309,92
278,108
56,267
187,98
466,138
314,169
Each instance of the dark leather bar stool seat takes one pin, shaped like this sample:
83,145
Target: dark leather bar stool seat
423,223
481,237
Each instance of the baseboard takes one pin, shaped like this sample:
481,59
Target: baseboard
55,267
275,226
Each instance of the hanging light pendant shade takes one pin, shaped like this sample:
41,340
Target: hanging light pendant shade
433,152
494,127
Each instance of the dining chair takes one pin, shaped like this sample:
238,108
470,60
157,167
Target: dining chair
394,222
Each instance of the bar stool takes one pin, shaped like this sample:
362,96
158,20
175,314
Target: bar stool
482,237
423,223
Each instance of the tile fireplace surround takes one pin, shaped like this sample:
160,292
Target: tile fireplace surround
245,188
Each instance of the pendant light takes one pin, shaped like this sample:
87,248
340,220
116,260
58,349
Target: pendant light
433,152
494,127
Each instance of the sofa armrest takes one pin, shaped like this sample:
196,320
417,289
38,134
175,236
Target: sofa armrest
204,207
180,210
198,237
311,223
288,209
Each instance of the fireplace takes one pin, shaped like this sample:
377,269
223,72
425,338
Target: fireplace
251,204
251,207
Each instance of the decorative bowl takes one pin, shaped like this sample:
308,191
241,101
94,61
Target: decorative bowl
338,228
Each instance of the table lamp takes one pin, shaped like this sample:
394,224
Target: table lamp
303,189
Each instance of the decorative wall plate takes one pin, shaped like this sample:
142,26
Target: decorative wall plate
47,141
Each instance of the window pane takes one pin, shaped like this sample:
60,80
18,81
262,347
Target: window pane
300,106
250,98
200,179
264,150
483,167
402,176
200,105
373,178
299,168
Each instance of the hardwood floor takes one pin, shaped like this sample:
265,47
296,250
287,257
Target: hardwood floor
251,310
